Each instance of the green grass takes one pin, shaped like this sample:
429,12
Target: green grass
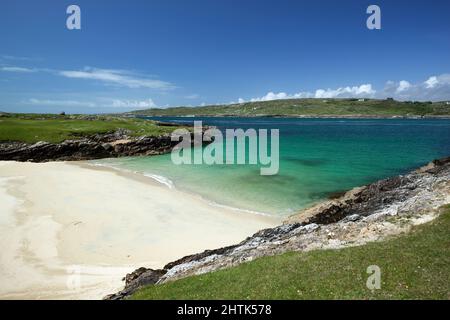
310,107
32,128
413,266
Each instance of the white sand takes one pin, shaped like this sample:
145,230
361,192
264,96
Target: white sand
71,231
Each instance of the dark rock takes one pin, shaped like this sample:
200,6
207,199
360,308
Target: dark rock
135,280
94,147
198,256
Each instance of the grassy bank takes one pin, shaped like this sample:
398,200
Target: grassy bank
32,128
413,266
311,108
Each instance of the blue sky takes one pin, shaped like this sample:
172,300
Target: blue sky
137,54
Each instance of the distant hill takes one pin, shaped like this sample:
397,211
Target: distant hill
311,108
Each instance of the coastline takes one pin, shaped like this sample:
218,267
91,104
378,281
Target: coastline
364,214
79,223
166,182
67,228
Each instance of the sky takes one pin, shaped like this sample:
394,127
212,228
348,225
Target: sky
135,54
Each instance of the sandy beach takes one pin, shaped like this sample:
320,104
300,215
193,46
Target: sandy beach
73,230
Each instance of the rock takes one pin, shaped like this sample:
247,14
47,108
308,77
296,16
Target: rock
365,200
311,227
352,218
135,280
107,146
306,229
94,147
40,144
134,275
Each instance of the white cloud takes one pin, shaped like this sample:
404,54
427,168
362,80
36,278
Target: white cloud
435,88
98,103
431,82
17,58
144,104
272,96
62,103
403,85
117,77
280,96
17,69
364,90
192,96
436,81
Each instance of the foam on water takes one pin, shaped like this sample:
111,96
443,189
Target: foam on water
163,180
215,204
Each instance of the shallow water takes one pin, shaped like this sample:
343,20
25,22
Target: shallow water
318,157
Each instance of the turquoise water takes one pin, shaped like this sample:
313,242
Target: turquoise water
318,157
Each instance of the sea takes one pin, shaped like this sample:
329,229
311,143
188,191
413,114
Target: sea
318,159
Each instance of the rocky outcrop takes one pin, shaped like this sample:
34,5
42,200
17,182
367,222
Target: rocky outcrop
109,145
368,213
137,279
363,201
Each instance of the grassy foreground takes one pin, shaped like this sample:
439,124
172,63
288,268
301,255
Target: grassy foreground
311,108
413,266
32,128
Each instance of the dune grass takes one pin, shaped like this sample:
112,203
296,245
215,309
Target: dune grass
413,266
54,128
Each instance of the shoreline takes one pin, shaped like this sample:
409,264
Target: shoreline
364,214
166,182
67,227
